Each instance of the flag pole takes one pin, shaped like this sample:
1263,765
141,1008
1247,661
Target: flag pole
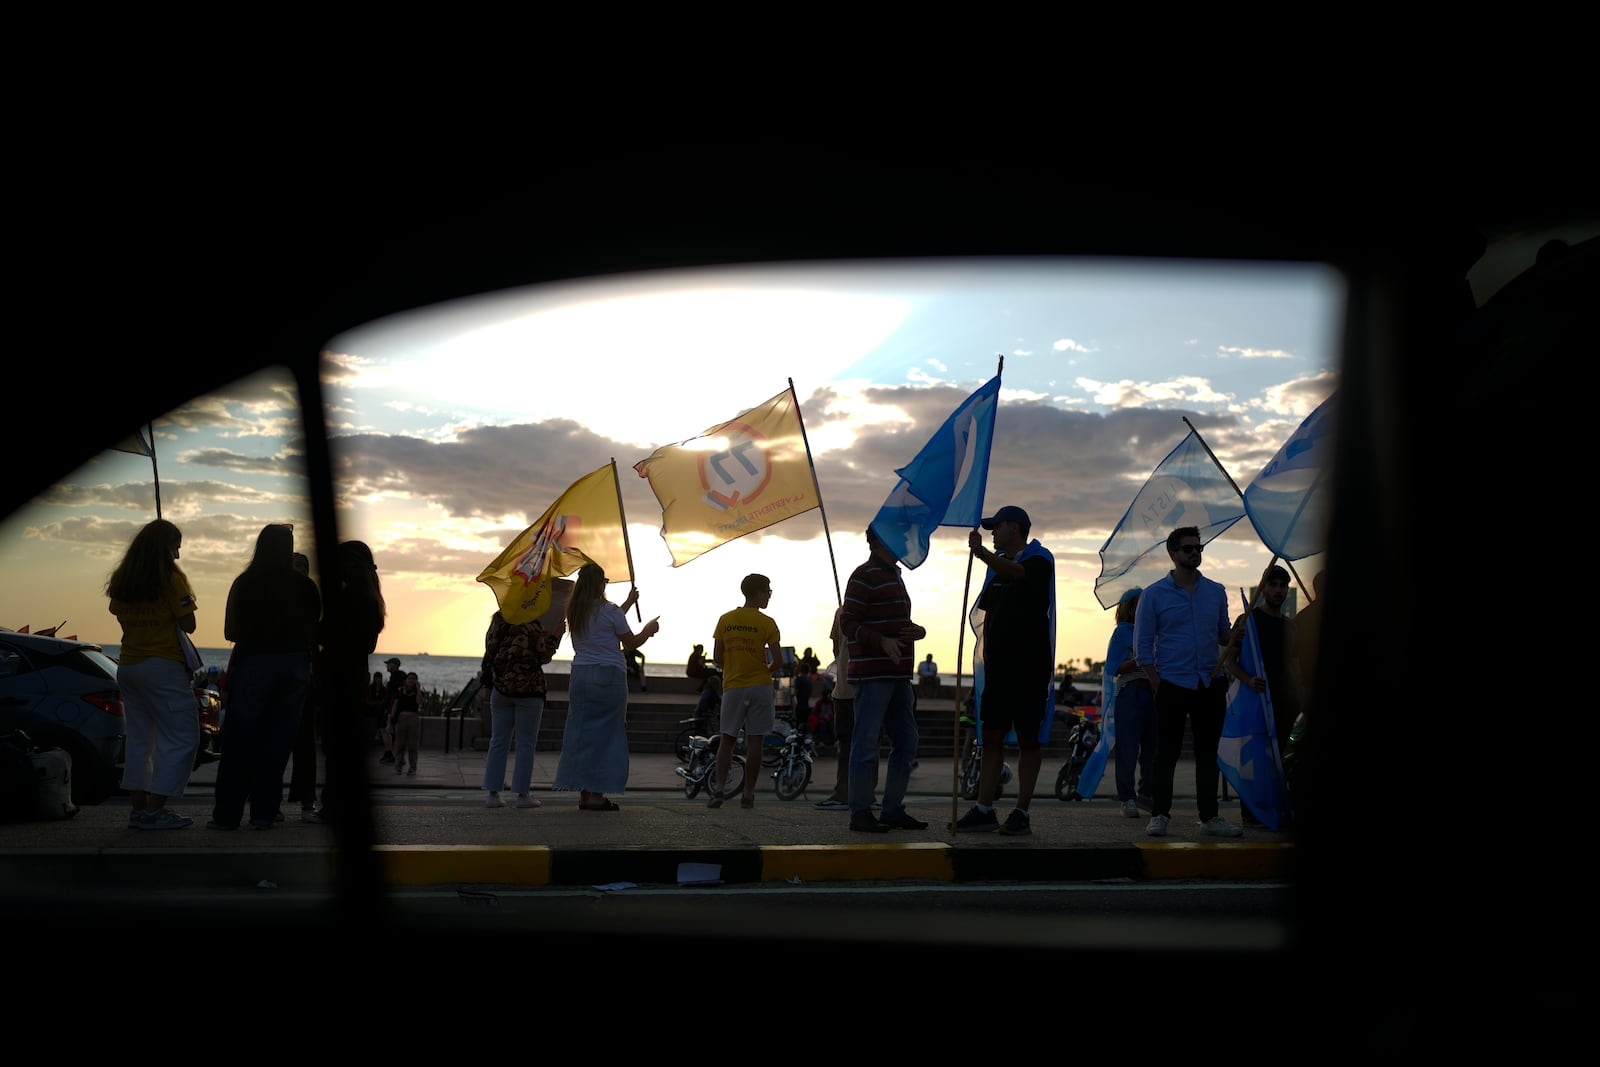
838,597
155,475
627,546
961,645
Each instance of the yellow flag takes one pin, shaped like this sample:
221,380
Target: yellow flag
733,479
584,525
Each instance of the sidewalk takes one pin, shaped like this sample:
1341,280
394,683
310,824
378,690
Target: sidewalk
434,829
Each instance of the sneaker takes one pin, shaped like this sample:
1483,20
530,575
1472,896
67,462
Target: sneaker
1130,809
975,821
412,771
715,801
525,801
903,821
136,820
865,822
1158,826
494,801
1016,825
388,757
747,802
1217,826
165,819
833,805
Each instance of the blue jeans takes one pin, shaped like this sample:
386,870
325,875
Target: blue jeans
507,715
882,705
1135,712
266,698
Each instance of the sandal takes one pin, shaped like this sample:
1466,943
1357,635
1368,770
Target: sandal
607,806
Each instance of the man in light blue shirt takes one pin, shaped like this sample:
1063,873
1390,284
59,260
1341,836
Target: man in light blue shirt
1179,629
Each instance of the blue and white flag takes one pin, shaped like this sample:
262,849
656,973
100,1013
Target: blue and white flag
1248,751
976,618
1288,501
944,484
1186,489
1094,768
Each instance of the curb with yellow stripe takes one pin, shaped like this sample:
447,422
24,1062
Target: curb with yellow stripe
539,865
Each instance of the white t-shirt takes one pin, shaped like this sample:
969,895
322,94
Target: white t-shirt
601,640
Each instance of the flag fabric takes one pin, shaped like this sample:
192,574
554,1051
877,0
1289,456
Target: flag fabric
1248,751
736,478
584,525
1186,489
944,484
975,619
137,443
1288,502
1094,768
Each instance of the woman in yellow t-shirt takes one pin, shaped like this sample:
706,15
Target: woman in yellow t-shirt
153,602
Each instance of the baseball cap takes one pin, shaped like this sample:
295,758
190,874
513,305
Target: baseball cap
392,659
1007,514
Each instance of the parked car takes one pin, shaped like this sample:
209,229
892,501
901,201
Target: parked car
64,694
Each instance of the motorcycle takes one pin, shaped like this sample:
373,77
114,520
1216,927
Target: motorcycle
696,770
794,764
1081,740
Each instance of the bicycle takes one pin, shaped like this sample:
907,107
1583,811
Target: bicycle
702,760
970,766
1081,741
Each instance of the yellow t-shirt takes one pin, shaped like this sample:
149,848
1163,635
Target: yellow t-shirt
150,628
745,634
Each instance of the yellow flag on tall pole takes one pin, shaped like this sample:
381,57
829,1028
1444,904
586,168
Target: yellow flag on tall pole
734,479
584,525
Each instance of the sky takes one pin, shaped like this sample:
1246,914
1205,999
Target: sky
455,427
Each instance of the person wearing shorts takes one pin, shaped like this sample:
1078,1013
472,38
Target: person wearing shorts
747,648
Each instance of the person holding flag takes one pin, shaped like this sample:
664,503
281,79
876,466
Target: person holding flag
1274,674
1015,618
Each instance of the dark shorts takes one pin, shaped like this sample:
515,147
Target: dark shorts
1011,700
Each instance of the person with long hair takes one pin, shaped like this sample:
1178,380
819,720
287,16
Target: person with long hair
155,605
1126,690
514,655
353,615
594,744
271,618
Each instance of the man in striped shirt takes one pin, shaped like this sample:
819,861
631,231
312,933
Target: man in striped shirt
876,621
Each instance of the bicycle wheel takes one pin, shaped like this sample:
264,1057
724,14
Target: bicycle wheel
969,777
691,784
792,777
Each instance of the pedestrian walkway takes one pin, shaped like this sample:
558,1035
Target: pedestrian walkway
434,829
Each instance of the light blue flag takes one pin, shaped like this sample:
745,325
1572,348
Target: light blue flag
975,619
944,484
1094,768
1248,752
1288,501
1186,489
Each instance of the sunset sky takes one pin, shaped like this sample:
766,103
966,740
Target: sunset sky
455,427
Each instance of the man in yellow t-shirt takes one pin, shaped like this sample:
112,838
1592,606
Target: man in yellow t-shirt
748,651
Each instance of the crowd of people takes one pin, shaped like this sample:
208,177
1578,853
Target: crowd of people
299,651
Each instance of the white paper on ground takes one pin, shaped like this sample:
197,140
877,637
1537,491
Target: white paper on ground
699,874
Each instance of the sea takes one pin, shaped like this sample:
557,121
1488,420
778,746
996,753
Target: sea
448,675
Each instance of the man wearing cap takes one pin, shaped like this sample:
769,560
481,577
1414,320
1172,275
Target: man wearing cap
1014,622
1178,634
397,681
